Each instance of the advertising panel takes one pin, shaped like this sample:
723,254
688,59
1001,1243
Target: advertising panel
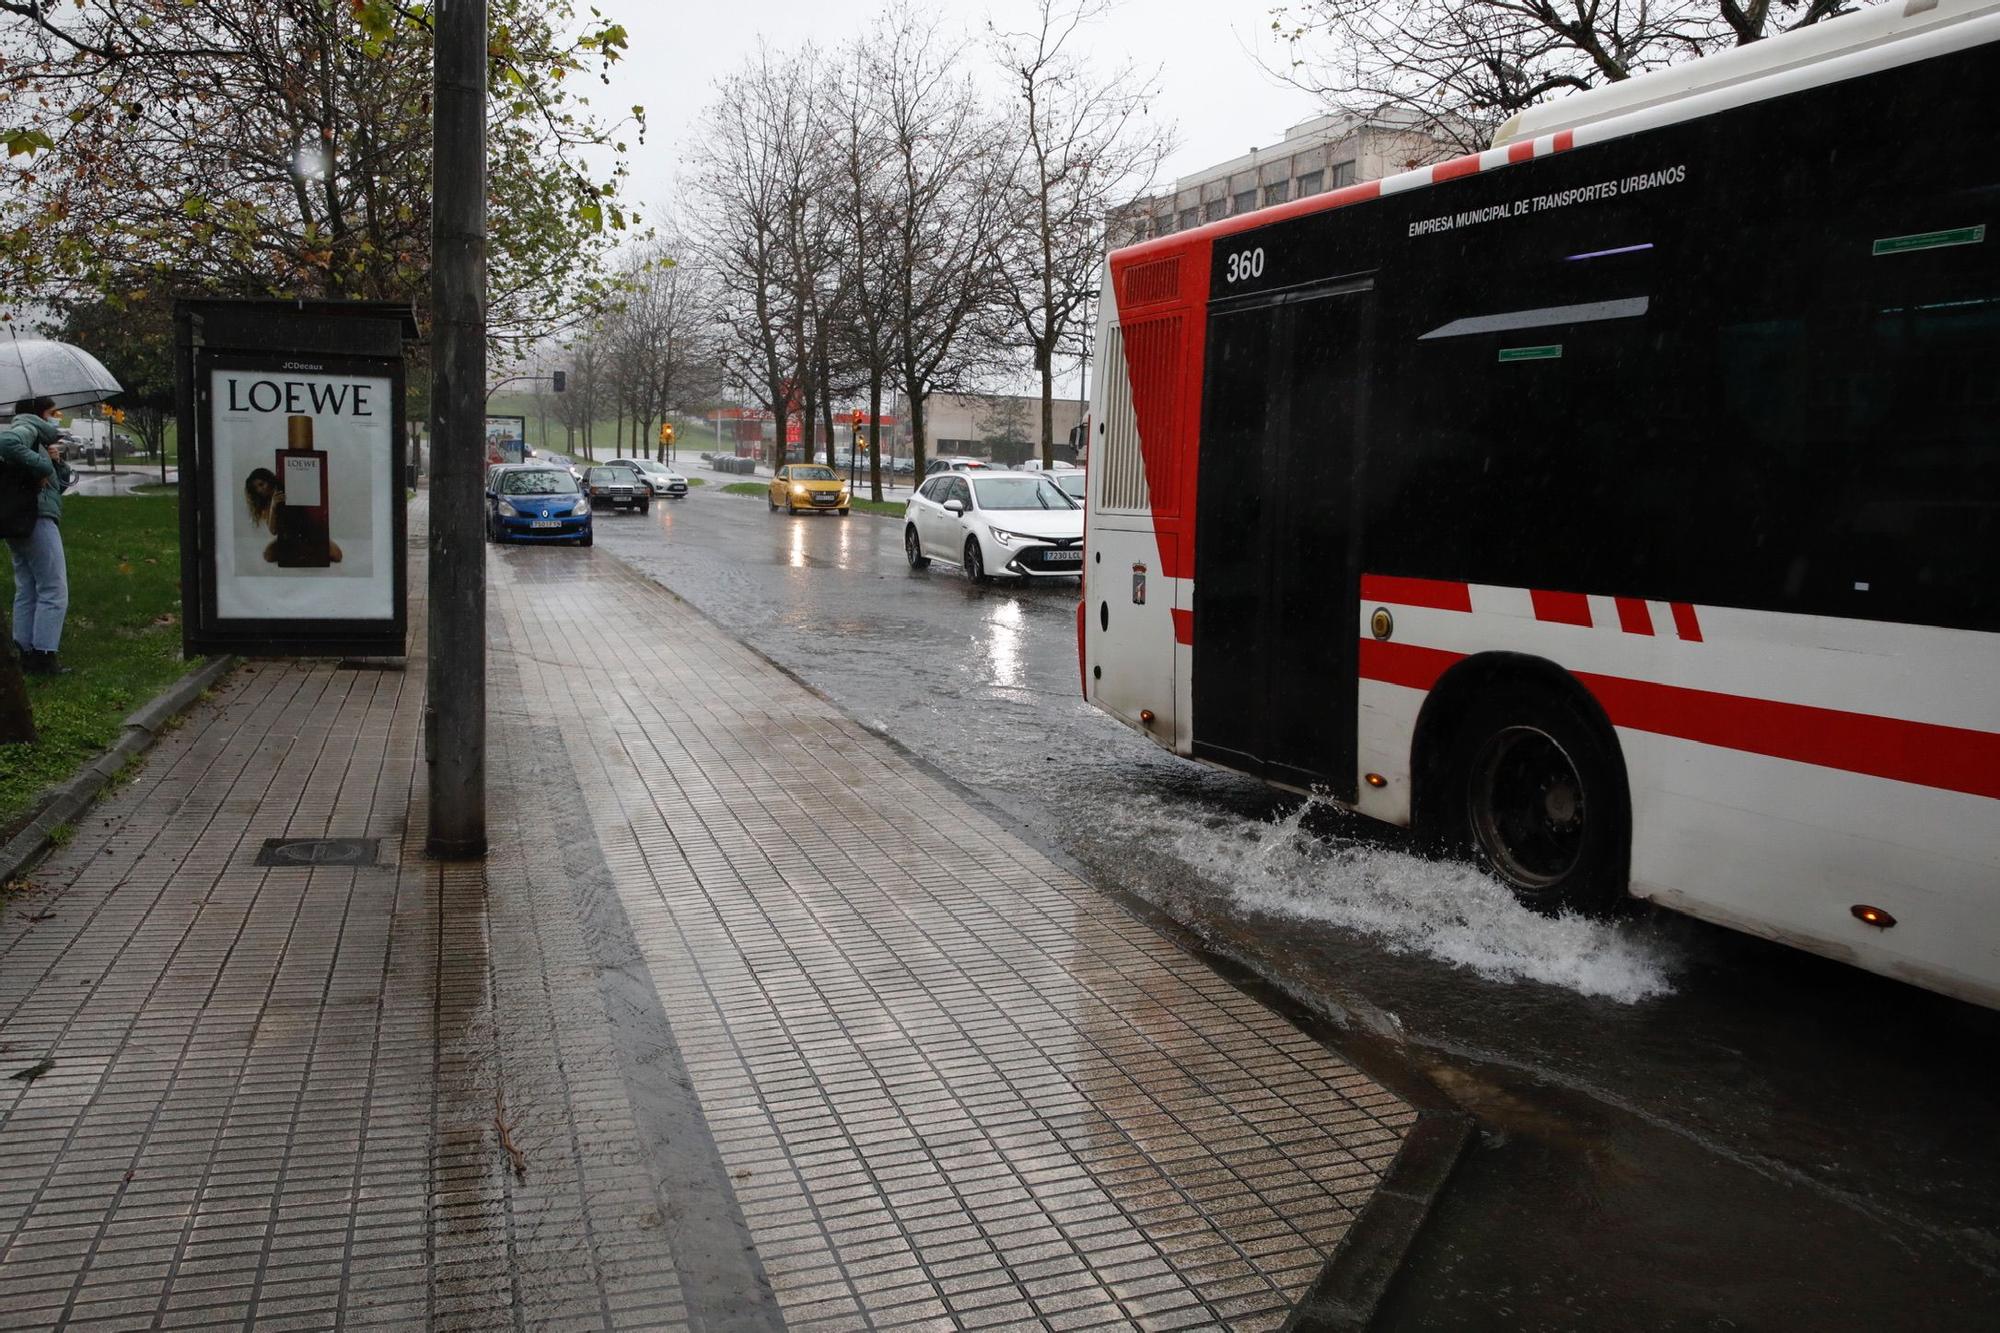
294,499
302,471
506,440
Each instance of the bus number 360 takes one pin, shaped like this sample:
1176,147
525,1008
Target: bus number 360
1246,264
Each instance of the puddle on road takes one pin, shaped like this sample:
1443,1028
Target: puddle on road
1442,909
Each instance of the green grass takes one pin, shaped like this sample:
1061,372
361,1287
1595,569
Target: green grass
694,434
123,638
696,481
762,489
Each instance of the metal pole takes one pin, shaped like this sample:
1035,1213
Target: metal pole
455,712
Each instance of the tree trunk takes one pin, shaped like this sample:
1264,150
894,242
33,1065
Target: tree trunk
875,436
17,718
808,412
916,434
826,408
1045,363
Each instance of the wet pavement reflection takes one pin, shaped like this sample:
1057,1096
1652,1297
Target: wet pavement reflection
1779,1084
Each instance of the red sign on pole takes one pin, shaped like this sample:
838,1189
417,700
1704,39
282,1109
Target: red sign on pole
794,432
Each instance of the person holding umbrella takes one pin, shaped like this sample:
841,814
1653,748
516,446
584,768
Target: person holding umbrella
40,378
28,450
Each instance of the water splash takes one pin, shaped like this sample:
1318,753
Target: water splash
1444,909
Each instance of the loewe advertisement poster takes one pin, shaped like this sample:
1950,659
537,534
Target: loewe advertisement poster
304,477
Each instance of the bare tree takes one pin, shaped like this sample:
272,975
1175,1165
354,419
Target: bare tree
1085,145
578,407
944,193
661,334
1004,428
745,189
854,209
859,139
1458,68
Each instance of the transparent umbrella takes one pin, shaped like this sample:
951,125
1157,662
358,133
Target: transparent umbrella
40,368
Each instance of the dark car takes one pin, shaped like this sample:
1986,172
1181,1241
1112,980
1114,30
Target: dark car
532,502
617,488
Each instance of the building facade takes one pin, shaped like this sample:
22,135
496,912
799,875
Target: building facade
1317,155
1003,427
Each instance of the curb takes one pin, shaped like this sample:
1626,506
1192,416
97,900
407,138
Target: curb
1351,1287
66,800
1356,1277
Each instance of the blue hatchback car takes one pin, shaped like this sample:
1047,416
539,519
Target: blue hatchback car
533,502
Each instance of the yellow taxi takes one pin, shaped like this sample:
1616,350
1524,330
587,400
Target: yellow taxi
802,486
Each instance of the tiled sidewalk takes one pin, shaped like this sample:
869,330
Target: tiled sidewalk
777,1030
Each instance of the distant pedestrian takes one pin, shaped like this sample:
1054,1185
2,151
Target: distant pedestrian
29,452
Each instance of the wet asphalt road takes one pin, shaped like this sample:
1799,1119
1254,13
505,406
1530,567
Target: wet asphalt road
1680,1127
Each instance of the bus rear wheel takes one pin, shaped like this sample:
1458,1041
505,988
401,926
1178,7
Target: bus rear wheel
1533,790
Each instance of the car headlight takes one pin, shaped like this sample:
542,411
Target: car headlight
798,490
509,510
582,506
843,495
1004,537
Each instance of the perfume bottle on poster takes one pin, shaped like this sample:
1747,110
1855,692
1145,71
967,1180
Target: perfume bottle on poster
302,523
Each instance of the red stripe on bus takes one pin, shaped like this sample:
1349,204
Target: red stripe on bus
1521,152
1686,624
1438,594
1183,626
1922,753
1452,170
1406,664
1082,673
1565,140
1562,608
1634,616
1949,758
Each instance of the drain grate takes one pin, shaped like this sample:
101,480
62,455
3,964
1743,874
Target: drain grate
318,852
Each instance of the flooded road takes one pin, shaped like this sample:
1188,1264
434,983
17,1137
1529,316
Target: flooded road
1675,1119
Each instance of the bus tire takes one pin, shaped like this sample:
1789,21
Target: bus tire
1532,789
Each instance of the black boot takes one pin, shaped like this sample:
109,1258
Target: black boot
37,663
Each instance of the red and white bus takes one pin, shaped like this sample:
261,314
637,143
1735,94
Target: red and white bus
1619,505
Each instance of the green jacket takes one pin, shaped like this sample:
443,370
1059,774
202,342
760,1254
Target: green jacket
24,447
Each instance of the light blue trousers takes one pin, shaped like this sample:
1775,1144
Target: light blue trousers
41,587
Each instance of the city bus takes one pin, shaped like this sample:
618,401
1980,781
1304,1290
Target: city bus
1618,507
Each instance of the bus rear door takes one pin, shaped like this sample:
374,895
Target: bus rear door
1275,582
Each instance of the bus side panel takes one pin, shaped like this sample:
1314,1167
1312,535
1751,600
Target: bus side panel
1139,530
1129,648
1784,769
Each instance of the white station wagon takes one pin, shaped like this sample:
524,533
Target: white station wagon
989,523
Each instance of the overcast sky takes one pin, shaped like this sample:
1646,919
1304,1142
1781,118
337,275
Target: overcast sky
1211,87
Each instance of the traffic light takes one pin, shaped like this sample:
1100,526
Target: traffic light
860,418
561,380
666,432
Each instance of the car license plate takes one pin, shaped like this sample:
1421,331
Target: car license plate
1053,556
546,523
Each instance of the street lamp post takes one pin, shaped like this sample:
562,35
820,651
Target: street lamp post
455,705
